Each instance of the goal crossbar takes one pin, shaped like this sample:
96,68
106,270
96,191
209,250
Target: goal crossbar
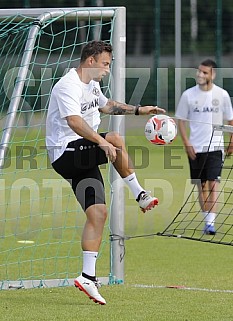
43,14
42,17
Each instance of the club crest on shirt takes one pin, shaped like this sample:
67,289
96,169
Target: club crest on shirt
215,102
96,91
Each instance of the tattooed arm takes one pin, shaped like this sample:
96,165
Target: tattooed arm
115,108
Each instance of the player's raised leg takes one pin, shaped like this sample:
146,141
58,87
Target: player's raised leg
125,168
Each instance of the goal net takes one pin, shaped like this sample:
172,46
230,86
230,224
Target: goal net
189,221
40,220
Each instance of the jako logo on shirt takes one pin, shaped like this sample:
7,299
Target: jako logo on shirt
87,106
210,109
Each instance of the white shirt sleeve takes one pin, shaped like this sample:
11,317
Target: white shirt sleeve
68,102
182,110
228,111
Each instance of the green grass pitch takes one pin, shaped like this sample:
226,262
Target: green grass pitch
166,279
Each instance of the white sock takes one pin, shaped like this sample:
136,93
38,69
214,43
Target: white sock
89,262
133,184
209,218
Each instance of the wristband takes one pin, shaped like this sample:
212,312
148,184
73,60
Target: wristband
137,110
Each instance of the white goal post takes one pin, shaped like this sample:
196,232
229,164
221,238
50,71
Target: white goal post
17,117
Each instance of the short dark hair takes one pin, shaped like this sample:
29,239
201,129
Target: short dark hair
209,63
94,48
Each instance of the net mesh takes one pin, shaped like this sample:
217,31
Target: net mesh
189,221
40,220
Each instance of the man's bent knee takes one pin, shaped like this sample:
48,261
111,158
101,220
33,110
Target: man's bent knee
114,138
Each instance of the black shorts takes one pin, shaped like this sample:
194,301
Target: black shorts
79,164
206,167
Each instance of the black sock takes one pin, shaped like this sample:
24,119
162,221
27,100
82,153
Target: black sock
92,278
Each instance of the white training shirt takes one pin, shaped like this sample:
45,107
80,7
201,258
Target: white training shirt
203,109
70,96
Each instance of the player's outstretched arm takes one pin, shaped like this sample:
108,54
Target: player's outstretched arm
116,108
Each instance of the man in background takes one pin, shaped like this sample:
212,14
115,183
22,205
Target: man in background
203,106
